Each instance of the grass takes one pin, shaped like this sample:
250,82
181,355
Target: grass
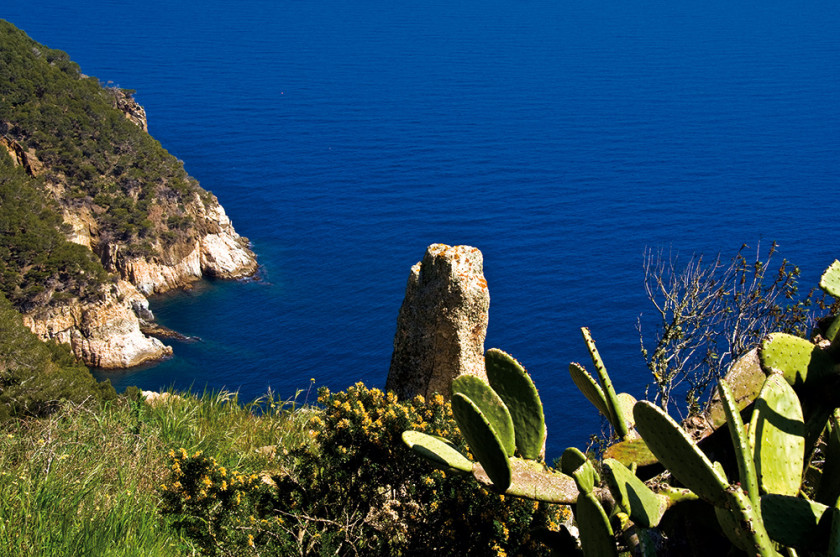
86,482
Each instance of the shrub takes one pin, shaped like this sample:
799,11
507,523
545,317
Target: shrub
353,488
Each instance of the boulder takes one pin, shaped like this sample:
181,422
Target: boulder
442,323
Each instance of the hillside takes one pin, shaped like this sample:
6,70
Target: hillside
95,213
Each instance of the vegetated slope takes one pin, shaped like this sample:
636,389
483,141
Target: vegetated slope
36,376
79,172
125,196
37,262
92,155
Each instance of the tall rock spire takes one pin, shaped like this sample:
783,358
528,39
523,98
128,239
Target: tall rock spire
442,323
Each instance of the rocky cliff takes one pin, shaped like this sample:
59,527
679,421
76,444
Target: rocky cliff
84,149
106,333
103,333
217,252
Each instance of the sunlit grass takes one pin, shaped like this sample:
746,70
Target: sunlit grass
85,482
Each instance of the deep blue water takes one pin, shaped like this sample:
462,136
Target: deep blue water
560,138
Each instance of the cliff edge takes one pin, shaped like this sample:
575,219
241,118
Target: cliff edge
78,168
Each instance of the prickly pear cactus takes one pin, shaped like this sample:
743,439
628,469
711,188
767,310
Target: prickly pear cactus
514,386
587,385
616,417
799,360
678,453
491,405
777,437
482,439
830,280
439,452
642,505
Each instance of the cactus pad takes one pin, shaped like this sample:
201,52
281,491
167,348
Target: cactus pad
596,534
745,377
743,453
589,387
636,499
797,359
777,437
482,440
829,487
796,522
491,405
615,417
439,452
626,402
830,280
531,479
632,451
513,384
575,464
674,448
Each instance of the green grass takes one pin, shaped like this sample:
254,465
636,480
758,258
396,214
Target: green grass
86,482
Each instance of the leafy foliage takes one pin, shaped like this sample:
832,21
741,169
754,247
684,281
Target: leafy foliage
352,488
102,160
37,263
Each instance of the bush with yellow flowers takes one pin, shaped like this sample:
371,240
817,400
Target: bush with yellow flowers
207,501
356,489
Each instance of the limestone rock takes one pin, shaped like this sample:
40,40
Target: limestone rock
217,252
104,333
224,253
21,157
442,323
83,227
135,113
154,398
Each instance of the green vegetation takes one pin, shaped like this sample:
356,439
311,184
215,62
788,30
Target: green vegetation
37,263
86,144
785,497
86,481
362,473
77,153
349,488
206,475
37,377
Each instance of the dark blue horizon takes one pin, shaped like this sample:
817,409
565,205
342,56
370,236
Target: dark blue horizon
561,139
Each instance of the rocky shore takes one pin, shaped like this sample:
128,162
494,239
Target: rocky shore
108,332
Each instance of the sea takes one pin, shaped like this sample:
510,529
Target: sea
563,138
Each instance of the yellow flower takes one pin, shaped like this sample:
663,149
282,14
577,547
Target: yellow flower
250,540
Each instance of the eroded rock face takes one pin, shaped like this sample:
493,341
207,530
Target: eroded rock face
131,108
219,252
442,323
107,333
104,333
21,157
